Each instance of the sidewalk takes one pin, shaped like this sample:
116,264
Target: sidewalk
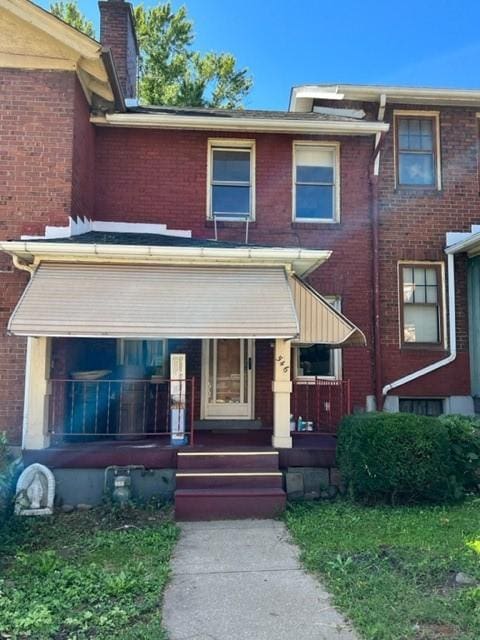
241,580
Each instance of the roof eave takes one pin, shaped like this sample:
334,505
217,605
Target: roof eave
218,123
302,261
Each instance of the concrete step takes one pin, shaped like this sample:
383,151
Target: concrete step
215,479
257,460
222,504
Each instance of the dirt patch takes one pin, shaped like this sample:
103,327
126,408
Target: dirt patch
436,631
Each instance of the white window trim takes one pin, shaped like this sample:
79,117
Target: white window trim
438,154
443,311
336,303
336,181
234,144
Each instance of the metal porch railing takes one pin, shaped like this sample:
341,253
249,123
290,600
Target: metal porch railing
98,409
321,404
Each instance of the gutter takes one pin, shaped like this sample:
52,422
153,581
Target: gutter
452,334
311,258
225,123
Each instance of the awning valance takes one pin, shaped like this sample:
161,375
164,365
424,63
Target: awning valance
319,322
150,301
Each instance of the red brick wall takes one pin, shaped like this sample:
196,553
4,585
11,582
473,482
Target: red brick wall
413,226
83,161
36,172
161,176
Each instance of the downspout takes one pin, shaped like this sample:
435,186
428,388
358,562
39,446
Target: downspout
375,258
452,334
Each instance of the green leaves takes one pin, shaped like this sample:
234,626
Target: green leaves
71,14
172,73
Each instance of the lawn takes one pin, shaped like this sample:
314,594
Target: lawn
392,570
96,574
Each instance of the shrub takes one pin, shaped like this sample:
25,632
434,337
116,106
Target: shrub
396,458
9,471
464,434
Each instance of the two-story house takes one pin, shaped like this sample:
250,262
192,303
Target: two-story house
234,281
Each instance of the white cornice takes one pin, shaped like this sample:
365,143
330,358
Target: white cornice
219,123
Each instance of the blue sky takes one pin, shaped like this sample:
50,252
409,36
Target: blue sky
288,42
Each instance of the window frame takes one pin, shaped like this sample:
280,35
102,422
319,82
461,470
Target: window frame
440,269
120,357
434,116
336,303
422,399
231,144
335,146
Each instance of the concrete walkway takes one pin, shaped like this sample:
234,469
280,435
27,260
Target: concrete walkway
242,580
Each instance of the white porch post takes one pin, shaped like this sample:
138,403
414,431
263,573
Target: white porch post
37,389
282,388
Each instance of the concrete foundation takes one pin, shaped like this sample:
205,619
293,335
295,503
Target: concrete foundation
86,486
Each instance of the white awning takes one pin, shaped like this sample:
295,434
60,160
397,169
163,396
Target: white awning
152,301
319,322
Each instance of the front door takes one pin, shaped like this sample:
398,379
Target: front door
227,378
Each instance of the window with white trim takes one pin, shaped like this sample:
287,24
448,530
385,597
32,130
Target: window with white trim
315,193
231,190
421,304
318,360
417,153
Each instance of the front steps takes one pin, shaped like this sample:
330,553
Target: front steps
216,485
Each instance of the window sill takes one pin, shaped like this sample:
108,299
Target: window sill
236,224
320,224
430,190
438,348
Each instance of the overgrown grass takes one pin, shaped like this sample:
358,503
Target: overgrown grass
97,574
392,570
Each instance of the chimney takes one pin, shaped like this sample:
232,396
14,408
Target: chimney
117,31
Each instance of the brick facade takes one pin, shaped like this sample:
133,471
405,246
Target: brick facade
44,118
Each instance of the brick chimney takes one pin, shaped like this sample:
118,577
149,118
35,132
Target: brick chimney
117,31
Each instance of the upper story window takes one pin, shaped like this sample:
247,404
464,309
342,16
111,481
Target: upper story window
231,189
417,151
316,188
421,304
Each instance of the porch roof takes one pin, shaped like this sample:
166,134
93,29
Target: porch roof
153,301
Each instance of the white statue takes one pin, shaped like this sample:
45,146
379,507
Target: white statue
35,491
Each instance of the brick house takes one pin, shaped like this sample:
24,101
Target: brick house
217,278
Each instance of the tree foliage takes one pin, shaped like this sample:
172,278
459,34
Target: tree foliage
71,14
171,71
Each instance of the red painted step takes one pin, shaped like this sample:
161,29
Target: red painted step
215,479
219,504
266,460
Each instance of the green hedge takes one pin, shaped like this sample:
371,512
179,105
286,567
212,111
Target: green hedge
397,458
9,471
464,434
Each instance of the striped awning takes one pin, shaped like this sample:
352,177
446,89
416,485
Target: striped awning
152,301
319,322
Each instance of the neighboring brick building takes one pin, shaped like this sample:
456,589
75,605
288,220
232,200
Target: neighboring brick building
375,175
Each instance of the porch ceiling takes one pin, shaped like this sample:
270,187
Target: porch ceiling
156,301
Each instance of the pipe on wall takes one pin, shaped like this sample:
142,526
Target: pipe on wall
452,335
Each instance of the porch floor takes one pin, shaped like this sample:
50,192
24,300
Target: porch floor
309,450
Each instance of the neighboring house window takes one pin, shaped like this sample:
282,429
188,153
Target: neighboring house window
318,360
421,406
417,154
316,189
421,304
231,190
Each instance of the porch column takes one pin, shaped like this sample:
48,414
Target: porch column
282,388
37,389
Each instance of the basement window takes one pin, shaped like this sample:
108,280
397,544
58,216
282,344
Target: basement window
422,406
